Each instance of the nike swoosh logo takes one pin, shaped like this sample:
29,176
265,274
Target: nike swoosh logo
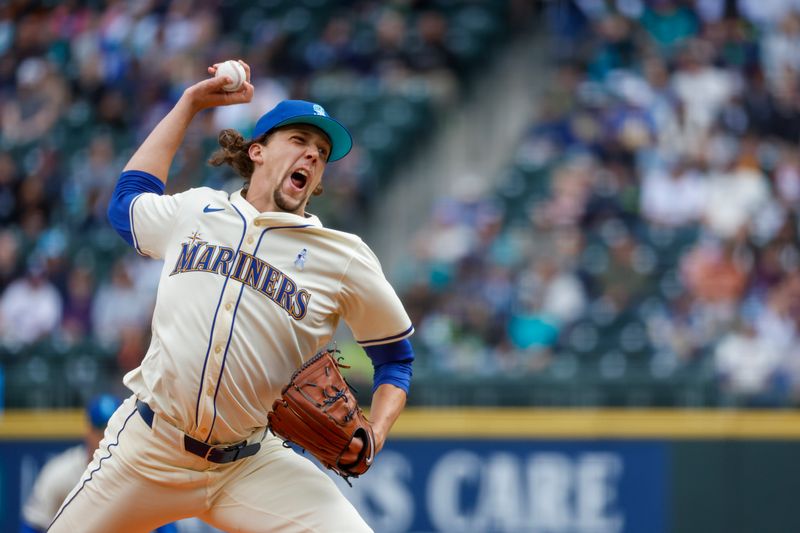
209,209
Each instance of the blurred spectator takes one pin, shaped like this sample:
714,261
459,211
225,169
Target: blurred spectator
668,23
77,319
663,184
333,48
615,49
737,190
9,258
777,317
89,187
701,87
766,14
112,321
547,299
787,177
572,186
388,58
41,99
30,308
430,56
750,366
9,181
781,50
446,242
678,330
715,273
561,294
626,278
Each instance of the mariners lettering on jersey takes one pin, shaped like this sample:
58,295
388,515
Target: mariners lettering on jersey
197,255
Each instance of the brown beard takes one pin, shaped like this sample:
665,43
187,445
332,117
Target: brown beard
282,202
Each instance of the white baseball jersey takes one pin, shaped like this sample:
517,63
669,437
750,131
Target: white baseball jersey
244,299
55,481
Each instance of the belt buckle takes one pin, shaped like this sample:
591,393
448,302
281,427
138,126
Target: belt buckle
208,452
232,448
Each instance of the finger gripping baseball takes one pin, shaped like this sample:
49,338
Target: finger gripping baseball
317,411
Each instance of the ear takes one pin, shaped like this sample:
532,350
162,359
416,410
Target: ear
317,191
255,153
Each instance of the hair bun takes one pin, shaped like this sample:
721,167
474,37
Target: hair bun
231,140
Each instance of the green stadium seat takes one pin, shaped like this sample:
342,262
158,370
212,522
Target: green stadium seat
34,382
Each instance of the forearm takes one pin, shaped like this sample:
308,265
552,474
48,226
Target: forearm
388,402
156,153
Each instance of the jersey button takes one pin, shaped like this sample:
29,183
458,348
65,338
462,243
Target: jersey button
228,306
259,223
203,429
218,349
250,240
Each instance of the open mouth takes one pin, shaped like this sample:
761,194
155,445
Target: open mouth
299,179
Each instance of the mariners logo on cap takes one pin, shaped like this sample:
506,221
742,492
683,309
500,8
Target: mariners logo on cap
319,110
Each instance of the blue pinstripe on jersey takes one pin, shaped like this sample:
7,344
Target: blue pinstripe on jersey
214,323
390,338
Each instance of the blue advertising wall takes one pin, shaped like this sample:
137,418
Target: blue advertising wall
516,485
465,485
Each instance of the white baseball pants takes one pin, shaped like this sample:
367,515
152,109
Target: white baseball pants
141,478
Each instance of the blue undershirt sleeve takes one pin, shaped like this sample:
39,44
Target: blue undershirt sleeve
131,184
392,363
27,528
397,374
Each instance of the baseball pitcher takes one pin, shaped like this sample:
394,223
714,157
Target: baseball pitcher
252,290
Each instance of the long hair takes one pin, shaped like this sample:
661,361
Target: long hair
234,151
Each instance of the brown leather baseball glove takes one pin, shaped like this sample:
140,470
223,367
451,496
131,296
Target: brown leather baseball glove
317,411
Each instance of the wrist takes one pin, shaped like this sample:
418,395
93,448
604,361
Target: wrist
189,104
185,110
379,437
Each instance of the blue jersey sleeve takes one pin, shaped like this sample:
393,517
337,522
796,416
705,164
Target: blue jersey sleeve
397,374
131,184
392,363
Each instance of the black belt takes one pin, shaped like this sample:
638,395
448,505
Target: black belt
201,449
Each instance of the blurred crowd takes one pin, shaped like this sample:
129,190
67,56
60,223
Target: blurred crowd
82,83
647,225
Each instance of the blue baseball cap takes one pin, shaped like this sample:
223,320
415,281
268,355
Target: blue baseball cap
100,409
302,112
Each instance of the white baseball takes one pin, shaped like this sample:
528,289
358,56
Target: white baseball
235,71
